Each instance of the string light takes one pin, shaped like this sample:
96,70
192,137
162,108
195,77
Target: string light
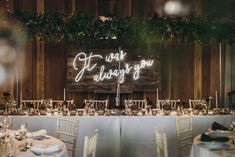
7,6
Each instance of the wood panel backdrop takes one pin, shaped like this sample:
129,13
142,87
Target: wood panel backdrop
185,70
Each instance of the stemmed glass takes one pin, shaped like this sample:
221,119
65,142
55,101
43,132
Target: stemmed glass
7,146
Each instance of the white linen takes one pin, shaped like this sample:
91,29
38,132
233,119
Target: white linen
123,136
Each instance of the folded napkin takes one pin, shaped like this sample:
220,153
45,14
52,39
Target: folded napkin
218,126
207,138
39,133
41,149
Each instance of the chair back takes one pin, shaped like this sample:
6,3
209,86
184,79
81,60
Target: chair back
141,104
60,102
90,143
94,104
193,103
172,103
67,131
36,103
161,143
184,132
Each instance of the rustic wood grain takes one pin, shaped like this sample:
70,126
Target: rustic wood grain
197,71
178,76
214,69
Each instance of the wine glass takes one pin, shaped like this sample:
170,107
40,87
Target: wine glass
11,147
7,146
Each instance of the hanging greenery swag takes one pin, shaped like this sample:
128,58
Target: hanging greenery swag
87,29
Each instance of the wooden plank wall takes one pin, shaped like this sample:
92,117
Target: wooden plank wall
178,77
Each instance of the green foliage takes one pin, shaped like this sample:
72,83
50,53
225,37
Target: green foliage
88,29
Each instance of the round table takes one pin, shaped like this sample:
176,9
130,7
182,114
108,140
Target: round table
199,150
47,141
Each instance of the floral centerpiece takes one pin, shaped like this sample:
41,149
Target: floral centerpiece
202,106
101,108
42,107
134,109
167,108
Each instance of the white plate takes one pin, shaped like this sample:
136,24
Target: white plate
38,149
41,149
218,146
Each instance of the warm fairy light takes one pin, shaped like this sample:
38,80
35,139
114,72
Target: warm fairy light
104,18
105,73
173,7
7,6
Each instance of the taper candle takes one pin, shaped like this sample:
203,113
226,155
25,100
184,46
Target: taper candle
216,99
64,95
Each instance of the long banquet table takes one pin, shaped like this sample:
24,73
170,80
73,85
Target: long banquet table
124,136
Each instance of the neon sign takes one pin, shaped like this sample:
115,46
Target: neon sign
107,74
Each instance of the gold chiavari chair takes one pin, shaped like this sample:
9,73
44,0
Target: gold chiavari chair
193,103
172,103
67,131
90,143
94,104
141,104
35,103
57,103
184,133
25,103
161,143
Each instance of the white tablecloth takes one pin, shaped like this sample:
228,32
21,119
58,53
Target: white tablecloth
138,138
124,136
109,131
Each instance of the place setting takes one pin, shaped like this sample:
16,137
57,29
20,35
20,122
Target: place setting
21,142
218,140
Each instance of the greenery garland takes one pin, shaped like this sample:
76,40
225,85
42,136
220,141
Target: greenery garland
88,29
